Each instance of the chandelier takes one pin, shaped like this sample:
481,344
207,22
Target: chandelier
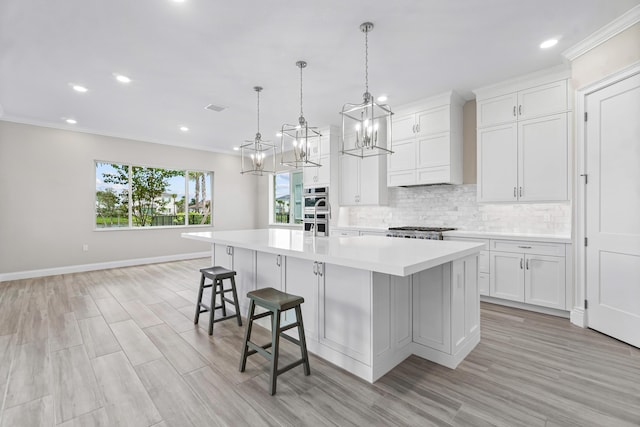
299,141
256,153
366,127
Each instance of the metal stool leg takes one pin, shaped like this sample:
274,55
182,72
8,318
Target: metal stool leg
235,300
222,303
275,350
247,336
303,341
195,320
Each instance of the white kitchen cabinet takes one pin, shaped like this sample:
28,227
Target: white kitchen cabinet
534,273
524,162
321,153
484,263
523,142
363,181
242,261
427,142
344,310
541,100
301,279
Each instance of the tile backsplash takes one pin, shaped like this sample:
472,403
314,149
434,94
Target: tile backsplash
456,206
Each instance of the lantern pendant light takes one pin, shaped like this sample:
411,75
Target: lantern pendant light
300,143
256,153
366,127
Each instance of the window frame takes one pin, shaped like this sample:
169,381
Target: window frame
130,225
272,200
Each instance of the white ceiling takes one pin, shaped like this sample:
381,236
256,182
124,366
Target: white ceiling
183,56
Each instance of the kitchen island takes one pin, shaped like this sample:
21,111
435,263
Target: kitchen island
370,301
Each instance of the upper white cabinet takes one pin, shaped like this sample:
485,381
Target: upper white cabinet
363,181
427,142
321,153
525,104
523,142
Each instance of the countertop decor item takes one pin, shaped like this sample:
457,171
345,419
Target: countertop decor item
256,153
366,127
298,140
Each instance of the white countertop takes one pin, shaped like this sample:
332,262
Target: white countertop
398,257
534,237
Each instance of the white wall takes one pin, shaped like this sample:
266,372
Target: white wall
47,197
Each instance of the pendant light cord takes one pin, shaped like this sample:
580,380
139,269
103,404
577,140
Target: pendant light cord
366,61
258,93
301,115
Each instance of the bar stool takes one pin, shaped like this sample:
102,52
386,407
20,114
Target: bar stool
276,302
217,275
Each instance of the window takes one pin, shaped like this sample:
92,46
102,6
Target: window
287,198
137,196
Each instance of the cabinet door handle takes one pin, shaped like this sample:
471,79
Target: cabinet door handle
514,111
527,264
413,129
315,268
321,269
520,191
230,249
521,260
524,247
515,194
278,260
520,109
418,128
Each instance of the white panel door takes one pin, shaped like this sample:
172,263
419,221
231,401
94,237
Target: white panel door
542,100
432,307
345,310
403,158
404,127
222,257
433,121
507,276
300,280
544,281
613,209
543,152
498,163
369,190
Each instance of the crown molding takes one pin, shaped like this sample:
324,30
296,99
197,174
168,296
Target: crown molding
615,27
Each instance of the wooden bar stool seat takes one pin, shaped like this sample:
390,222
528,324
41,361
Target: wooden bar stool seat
217,275
275,302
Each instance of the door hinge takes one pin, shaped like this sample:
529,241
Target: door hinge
586,241
585,116
586,304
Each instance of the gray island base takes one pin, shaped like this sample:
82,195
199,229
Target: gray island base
370,301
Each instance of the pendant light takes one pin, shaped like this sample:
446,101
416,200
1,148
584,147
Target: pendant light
257,153
299,141
366,127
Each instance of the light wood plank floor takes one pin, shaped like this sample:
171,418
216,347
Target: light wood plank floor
118,347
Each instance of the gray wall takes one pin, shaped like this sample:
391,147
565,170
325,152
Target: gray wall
47,187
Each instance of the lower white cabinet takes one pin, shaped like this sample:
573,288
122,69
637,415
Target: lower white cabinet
484,265
529,277
301,279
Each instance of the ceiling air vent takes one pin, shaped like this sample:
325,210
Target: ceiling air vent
216,108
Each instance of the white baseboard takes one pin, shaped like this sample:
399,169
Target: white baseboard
578,317
99,266
523,306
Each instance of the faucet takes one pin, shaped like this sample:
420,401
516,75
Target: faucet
315,216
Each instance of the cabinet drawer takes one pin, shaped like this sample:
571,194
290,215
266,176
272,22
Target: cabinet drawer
397,179
540,248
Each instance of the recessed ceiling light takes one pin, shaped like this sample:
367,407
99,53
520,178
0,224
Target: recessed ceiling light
79,88
184,129
178,1
382,98
236,148
122,79
548,43
71,121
